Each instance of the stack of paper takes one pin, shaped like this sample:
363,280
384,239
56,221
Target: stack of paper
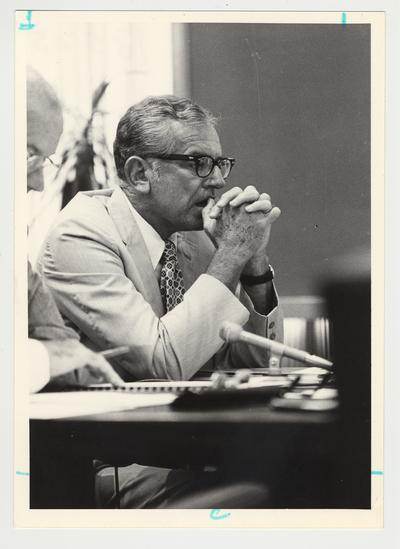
80,403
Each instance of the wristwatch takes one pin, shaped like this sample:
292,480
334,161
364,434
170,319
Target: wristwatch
249,280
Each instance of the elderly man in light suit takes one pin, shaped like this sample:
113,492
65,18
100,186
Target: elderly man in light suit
104,256
160,262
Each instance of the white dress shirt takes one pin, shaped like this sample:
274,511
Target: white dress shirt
154,243
39,365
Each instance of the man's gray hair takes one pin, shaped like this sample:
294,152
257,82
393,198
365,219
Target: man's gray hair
145,128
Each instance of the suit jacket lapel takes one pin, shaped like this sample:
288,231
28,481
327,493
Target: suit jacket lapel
194,255
141,270
186,251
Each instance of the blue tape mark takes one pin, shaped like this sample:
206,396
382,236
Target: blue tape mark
28,25
344,18
377,473
22,473
215,514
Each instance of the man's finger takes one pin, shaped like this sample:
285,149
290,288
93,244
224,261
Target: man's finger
227,196
273,215
215,212
107,371
111,376
210,211
208,208
250,194
264,206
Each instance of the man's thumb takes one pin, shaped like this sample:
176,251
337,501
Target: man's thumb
207,210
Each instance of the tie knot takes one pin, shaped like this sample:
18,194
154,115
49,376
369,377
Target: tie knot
169,251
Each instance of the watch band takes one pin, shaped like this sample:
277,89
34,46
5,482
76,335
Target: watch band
249,280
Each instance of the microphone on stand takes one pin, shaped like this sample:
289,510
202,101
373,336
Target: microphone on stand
232,332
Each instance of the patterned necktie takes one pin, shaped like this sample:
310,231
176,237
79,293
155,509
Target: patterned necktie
171,280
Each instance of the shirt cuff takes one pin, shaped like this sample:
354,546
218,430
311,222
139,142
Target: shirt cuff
39,365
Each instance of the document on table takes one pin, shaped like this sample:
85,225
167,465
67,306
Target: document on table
100,398
79,403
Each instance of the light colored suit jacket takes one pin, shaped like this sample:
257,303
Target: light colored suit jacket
97,265
44,323
44,319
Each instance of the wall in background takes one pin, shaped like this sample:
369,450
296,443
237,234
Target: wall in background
75,59
294,102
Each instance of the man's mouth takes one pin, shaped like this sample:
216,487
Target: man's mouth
203,203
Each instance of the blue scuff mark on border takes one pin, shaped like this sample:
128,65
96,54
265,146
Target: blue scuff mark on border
344,18
22,473
215,514
28,25
377,473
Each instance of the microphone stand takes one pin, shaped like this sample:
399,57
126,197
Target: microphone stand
274,362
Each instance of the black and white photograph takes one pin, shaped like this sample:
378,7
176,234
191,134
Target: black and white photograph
199,269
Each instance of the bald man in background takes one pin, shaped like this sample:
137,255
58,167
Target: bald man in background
54,350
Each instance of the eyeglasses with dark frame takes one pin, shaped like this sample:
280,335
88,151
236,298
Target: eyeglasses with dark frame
204,164
37,161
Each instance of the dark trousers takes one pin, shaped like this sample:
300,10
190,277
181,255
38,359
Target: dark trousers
142,487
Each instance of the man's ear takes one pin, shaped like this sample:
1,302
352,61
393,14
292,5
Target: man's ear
137,173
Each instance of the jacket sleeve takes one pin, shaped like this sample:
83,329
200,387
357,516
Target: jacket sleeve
84,267
242,355
44,318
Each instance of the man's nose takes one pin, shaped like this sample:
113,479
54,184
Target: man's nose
215,179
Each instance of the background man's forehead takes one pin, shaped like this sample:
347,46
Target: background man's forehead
44,129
